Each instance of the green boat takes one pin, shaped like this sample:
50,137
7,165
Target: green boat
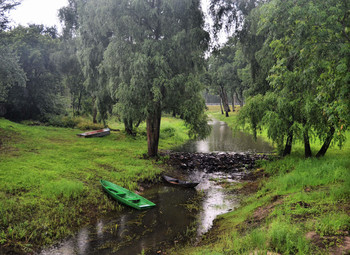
125,196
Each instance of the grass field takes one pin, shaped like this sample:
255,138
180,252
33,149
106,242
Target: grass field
49,177
300,207
49,187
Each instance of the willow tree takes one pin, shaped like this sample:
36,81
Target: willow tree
155,52
308,93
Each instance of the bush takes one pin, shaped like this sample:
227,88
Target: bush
61,121
88,125
71,122
167,132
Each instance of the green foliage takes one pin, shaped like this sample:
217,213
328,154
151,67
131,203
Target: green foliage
71,122
254,112
304,59
333,224
41,95
299,197
53,187
66,189
11,74
146,68
167,132
84,124
5,7
286,238
224,71
61,121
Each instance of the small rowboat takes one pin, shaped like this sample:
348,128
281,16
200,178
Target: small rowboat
96,133
181,183
125,196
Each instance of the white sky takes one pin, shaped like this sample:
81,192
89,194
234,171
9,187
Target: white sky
46,12
37,12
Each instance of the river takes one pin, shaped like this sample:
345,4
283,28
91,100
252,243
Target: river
173,220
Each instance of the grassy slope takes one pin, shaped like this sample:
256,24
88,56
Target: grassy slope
49,177
302,208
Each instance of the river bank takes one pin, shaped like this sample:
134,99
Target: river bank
295,206
49,190
49,178
181,215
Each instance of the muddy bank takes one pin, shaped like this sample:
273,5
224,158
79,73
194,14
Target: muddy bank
214,162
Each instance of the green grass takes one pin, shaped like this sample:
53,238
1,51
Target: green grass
301,196
49,177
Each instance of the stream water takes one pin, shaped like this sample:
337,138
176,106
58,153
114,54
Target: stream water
172,220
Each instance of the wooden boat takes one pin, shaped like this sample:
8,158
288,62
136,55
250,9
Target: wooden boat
125,196
181,183
96,133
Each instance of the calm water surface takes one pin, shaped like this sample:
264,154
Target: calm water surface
223,139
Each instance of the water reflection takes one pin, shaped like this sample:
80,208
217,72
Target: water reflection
132,231
222,138
216,200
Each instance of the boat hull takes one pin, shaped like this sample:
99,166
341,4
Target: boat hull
96,133
181,183
125,196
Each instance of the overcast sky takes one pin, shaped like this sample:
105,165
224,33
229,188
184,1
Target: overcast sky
37,12
46,12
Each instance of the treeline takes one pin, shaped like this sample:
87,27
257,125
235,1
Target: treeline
133,59
291,61
288,61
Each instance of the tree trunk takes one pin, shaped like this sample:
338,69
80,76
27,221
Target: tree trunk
233,101
128,125
240,99
289,142
153,129
79,104
326,143
308,152
138,123
3,109
73,106
94,110
222,111
224,100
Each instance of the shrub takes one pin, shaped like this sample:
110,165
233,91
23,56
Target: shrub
167,132
88,125
71,122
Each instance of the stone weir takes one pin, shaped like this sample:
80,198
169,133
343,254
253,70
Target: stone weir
214,162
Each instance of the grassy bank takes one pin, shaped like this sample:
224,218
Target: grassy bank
49,178
299,207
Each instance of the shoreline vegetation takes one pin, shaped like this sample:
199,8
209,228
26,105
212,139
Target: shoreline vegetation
49,188
49,178
295,206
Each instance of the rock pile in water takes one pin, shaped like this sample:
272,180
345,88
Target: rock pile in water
213,162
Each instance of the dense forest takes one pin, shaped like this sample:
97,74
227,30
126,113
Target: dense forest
287,60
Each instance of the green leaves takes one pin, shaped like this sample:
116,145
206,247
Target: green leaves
306,64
